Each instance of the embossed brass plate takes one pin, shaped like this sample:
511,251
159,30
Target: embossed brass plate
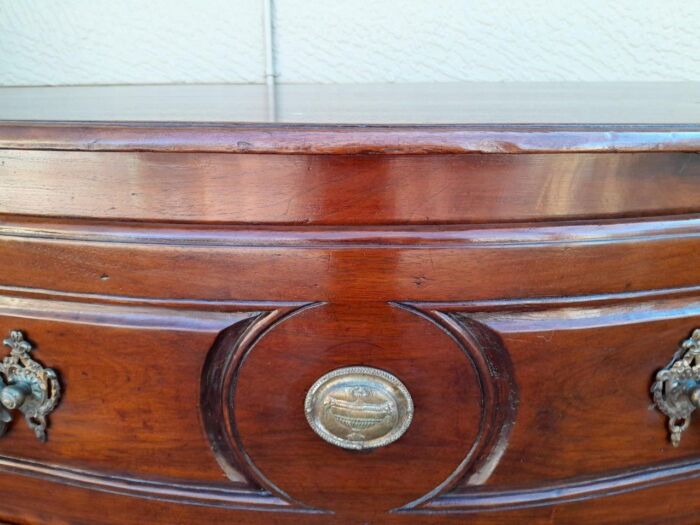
359,407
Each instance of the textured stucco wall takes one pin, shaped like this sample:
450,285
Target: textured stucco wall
130,41
165,41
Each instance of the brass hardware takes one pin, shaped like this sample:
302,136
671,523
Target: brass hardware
26,386
359,408
676,390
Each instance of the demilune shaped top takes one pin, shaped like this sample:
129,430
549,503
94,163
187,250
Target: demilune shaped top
421,118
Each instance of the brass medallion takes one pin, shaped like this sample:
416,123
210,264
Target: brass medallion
359,407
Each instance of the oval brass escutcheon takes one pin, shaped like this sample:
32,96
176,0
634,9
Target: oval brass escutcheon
359,407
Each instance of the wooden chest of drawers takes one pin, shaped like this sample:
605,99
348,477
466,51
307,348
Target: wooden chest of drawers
364,319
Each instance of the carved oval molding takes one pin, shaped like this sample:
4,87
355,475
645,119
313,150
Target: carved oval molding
499,403
255,382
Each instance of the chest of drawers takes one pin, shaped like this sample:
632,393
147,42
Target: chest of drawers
346,315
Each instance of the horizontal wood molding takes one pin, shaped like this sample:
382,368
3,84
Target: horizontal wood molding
455,502
464,235
347,139
351,273
128,316
564,491
194,494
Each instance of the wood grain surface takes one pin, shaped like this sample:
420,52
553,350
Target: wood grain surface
347,189
189,292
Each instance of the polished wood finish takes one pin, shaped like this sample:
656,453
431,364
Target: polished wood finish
361,189
444,436
369,271
189,282
349,139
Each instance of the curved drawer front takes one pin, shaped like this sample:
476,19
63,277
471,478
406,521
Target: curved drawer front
346,189
350,371
130,389
349,337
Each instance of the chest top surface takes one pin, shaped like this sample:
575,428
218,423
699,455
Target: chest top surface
373,118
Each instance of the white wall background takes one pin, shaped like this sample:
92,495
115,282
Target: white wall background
48,42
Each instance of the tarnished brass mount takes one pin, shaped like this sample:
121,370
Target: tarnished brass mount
26,386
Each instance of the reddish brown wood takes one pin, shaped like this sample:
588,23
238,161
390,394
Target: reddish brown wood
368,272
452,420
348,139
581,370
116,414
346,189
644,506
189,287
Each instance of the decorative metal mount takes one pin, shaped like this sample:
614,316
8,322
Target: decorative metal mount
359,407
27,386
676,390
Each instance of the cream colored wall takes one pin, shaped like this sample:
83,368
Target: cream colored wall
167,41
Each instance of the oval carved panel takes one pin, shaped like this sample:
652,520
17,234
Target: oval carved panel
264,387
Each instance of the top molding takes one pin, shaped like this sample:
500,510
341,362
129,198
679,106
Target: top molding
347,139
459,117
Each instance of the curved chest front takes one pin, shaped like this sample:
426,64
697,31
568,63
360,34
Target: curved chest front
350,337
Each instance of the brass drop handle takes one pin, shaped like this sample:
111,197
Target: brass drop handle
26,386
676,389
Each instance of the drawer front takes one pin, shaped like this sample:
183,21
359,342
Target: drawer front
129,403
496,373
346,189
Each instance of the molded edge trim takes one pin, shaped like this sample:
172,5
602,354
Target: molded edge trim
571,490
347,139
169,491
417,236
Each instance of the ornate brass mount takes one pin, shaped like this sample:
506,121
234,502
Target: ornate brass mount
27,386
676,390
359,408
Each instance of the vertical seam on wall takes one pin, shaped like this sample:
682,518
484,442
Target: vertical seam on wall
270,73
